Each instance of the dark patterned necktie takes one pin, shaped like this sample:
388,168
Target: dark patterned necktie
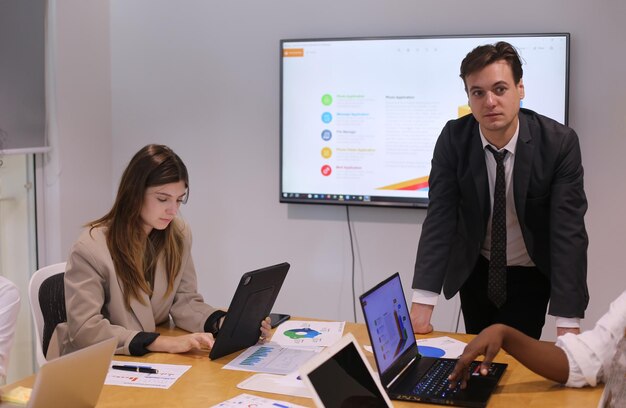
496,283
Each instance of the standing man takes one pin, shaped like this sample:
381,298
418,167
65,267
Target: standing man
505,223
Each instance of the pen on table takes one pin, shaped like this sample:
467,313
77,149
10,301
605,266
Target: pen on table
137,369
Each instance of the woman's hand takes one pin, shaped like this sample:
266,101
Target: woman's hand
488,344
542,357
182,344
266,329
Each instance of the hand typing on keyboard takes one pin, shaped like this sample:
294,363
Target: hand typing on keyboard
487,344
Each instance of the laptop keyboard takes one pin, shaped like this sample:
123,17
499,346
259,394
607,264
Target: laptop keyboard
435,382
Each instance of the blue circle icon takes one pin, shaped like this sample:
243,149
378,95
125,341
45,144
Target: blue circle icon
427,351
326,135
327,117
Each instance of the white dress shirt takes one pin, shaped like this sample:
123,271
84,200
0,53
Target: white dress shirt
591,353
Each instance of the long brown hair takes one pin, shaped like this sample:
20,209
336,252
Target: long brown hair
134,255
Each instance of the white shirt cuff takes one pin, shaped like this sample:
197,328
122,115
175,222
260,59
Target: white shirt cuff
425,297
568,322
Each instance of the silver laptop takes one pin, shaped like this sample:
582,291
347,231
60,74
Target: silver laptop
73,380
341,377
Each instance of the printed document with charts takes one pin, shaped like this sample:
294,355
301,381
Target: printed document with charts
295,333
166,376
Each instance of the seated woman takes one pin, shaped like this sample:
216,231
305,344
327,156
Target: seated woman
576,360
132,269
9,308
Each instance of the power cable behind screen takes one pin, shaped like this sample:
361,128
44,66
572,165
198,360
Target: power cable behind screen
353,263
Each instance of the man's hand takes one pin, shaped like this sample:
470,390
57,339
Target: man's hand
487,344
420,318
562,330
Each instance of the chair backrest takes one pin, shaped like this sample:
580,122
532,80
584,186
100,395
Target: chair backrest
47,303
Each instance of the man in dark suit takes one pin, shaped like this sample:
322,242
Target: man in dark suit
505,223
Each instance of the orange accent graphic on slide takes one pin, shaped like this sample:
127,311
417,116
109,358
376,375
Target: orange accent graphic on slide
464,110
293,52
413,184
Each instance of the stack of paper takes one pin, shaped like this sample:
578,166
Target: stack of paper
292,345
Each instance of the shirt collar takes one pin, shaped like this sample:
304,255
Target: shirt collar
510,147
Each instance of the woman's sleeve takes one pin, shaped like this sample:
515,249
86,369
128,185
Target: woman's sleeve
86,280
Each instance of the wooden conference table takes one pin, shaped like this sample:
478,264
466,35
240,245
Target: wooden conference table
206,384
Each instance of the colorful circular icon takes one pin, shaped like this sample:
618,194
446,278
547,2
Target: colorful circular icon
326,170
327,152
327,99
304,333
327,117
327,135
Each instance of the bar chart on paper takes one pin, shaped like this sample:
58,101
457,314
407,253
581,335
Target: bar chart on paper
270,358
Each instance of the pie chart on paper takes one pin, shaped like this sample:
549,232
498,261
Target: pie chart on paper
304,333
428,351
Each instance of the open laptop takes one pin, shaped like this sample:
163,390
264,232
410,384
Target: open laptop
72,380
252,302
340,376
404,373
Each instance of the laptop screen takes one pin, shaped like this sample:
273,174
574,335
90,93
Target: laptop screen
388,322
345,381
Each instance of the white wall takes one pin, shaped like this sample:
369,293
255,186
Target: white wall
203,78
75,177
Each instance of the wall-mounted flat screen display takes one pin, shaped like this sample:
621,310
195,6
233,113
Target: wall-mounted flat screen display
360,116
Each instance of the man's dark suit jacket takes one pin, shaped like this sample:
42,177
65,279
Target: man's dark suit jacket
549,199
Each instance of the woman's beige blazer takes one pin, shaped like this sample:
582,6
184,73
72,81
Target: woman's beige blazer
95,303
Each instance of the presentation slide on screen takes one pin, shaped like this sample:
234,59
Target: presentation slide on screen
389,319
361,117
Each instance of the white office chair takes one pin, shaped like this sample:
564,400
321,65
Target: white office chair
36,281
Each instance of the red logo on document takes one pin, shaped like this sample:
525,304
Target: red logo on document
326,170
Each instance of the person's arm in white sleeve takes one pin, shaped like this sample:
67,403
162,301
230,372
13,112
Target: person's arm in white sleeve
9,308
590,353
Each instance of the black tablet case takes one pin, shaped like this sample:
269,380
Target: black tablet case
252,302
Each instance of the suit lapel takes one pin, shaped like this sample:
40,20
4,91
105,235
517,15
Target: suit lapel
143,312
479,172
160,280
524,152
